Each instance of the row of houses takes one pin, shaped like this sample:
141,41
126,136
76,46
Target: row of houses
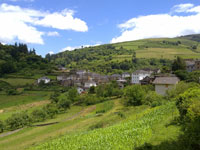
84,79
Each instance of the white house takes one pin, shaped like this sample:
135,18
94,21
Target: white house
138,75
162,84
44,79
89,84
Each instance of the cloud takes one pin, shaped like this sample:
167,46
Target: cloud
63,21
182,7
53,33
51,53
161,25
70,48
22,24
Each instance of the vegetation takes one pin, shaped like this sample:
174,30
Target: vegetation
128,56
17,58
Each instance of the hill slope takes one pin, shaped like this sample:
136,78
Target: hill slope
115,58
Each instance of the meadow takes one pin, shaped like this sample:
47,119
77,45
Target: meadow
129,134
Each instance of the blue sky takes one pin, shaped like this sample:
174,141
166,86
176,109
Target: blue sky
57,25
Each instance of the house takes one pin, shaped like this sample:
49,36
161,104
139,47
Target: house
138,75
190,65
197,65
61,77
121,83
115,77
80,90
43,79
81,72
61,68
147,80
89,84
125,75
162,84
152,71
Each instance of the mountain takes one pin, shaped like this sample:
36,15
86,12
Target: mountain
131,55
193,37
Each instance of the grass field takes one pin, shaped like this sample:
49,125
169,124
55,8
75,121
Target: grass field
80,120
18,81
25,98
154,48
129,134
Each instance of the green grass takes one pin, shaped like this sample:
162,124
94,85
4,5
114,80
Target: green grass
126,135
25,98
18,81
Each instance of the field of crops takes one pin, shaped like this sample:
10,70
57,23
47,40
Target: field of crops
124,136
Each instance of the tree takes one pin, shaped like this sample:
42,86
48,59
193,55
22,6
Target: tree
72,94
134,95
178,64
64,103
92,90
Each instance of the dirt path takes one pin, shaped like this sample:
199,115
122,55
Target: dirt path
82,113
10,132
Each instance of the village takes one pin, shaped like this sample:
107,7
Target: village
84,80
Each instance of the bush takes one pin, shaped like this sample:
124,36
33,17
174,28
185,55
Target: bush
64,104
51,110
188,105
180,88
1,126
18,120
96,126
39,115
92,90
12,92
185,100
153,99
73,95
134,95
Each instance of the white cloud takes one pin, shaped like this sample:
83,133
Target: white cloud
51,52
182,7
53,33
63,21
160,25
22,24
70,48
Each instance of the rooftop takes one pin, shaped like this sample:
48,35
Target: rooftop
166,80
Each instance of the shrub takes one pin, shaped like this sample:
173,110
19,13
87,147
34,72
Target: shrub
92,90
11,92
39,115
96,126
18,120
51,110
134,95
180,88
153,99
64,103
1,126
188,105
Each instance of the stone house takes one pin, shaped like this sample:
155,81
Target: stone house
162,84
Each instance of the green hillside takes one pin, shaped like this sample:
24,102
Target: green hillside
129,56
